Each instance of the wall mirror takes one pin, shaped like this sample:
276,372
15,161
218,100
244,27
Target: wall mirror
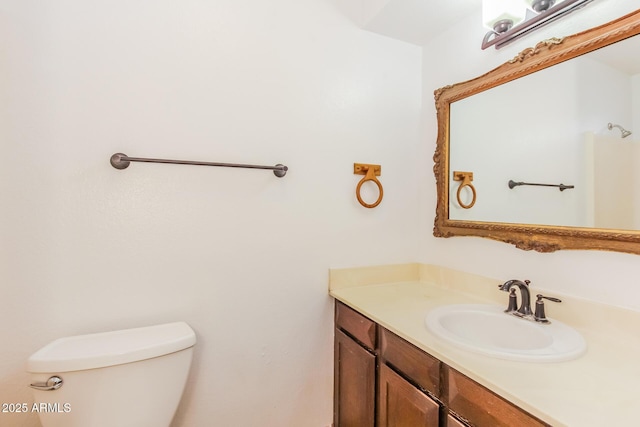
559,116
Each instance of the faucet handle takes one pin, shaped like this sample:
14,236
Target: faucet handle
539,315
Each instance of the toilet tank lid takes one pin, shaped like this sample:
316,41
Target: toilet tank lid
111,348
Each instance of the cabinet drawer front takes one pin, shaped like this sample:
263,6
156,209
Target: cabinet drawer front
481,406
356,325
414,363
401,404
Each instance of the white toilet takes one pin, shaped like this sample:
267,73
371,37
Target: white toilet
129,378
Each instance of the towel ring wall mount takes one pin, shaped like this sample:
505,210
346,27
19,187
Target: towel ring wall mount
370,172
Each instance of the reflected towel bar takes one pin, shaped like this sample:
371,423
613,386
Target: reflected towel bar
561,187
121,161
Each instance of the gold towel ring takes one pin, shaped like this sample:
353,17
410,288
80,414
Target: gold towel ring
466,178
369,172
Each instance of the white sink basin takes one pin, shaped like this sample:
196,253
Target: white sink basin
488,330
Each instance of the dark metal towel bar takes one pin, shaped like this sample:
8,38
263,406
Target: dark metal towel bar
561,187
121,161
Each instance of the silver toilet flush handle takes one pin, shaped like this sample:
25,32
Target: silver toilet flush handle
52,383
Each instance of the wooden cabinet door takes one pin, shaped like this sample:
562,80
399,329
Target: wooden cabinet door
453,422
400,404
354,383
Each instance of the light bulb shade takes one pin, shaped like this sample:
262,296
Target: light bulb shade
497,11
508,22
540,5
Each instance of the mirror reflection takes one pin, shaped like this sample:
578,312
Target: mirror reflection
570,124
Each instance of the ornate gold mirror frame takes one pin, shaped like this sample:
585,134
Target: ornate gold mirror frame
541,238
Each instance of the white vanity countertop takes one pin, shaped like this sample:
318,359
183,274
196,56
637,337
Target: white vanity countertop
598,389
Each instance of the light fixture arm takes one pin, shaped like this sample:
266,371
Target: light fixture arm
492,38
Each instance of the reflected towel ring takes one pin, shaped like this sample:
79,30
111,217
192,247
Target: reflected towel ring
466,178
370,172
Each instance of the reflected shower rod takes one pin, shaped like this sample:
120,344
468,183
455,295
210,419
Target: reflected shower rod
122,161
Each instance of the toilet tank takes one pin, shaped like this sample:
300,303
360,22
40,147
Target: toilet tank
127,378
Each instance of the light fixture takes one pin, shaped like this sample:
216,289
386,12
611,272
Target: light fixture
540,5
500,15
507,20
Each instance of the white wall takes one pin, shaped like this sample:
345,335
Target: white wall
605,95
241,255
602,276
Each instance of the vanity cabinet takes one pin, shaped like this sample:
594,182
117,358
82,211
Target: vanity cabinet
414,389
364,356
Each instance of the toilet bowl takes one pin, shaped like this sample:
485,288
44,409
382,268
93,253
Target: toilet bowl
128,378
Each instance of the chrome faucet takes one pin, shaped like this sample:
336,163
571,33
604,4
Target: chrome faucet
525,305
